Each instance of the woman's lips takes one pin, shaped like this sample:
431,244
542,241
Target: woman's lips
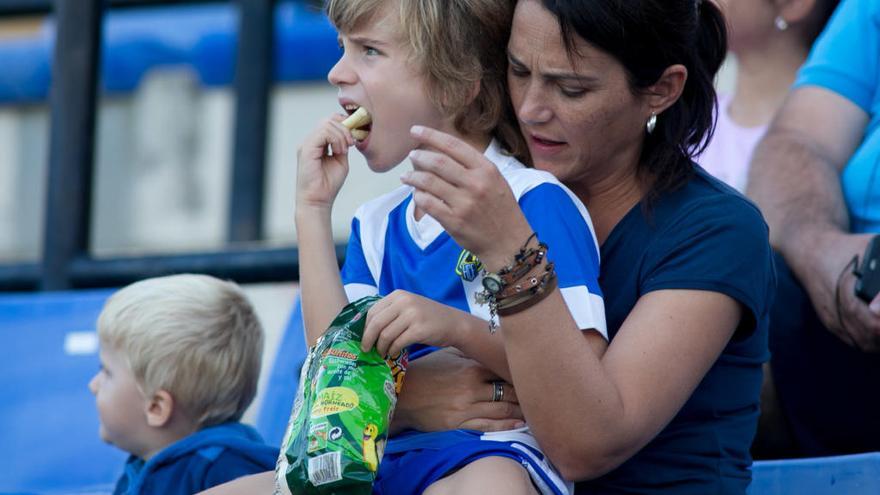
544,146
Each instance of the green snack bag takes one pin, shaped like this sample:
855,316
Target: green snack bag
339,423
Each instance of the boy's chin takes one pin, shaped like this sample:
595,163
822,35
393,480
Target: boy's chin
104,436
381,166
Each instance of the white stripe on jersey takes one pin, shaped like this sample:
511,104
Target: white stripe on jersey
589,315
357,291
373,233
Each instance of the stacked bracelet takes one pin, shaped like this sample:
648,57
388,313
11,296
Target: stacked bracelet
515,287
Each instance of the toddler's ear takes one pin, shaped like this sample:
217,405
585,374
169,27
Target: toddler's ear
159,409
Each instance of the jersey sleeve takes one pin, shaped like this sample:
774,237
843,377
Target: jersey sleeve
719,246
562,222
356,276
846,57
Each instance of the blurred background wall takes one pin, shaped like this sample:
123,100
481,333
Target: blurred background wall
163,146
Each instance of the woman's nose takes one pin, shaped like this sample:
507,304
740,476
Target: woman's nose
534,107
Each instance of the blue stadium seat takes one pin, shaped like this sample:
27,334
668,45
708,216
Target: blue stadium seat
840,475
48,420
283,380
202,37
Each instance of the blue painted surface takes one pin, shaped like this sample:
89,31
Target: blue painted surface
48,422
201,37
840,475
49,440
283,380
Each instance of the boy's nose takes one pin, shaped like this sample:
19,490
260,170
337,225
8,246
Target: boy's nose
341,74
93,385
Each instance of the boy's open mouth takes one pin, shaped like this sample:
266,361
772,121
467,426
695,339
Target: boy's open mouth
359,121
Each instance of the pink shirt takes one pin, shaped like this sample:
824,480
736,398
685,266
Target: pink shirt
728,154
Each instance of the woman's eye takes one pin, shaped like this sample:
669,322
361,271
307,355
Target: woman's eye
573,92
518,72
369,50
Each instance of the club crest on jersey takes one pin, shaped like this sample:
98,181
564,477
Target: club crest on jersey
468,266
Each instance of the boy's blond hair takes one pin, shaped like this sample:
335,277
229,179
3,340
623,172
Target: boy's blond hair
194,336
455,44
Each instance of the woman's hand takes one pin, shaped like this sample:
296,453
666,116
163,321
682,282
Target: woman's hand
320,175
466,193
445,391
403,318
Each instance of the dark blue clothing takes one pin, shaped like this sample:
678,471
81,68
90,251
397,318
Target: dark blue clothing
826,388
701,236
207,458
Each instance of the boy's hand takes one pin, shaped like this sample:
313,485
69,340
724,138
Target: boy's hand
403,318
320,175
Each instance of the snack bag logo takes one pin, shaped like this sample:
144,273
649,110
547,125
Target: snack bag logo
340,353
468,266
334,400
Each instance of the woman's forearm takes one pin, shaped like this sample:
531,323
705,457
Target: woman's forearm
616,398
321,290
483,346
563,388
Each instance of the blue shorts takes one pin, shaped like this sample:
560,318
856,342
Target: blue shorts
414,460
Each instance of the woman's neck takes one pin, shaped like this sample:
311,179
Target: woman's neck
609,200
763,79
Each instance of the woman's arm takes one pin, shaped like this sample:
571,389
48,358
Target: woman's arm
618,403
445,391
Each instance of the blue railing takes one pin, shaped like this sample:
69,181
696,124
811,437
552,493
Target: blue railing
248,44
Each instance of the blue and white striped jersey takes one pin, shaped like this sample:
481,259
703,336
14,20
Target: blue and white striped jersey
389,249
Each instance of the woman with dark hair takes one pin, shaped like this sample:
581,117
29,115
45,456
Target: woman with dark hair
614,98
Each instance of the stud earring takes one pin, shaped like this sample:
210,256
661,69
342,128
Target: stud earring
781,24
652,123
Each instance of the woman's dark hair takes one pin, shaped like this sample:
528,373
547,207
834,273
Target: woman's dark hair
646,37
821,13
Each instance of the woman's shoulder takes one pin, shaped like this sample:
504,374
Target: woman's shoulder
705,197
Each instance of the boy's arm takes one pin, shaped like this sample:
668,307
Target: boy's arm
320,175
256,483
321,290
403,318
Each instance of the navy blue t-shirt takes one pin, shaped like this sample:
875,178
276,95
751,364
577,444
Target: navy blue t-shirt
702,236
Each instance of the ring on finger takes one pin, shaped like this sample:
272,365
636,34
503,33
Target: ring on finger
497,391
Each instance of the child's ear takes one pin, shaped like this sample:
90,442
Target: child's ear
159,409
